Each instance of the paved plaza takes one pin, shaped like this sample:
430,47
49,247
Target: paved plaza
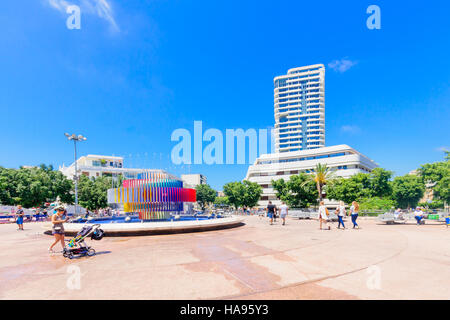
254,261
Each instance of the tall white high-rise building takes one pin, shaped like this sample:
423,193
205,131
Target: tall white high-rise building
299,107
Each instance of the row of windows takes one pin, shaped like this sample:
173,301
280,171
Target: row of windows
305,70
296,93
289,117
283,146
306,118
310,104
291,172
282,82
285,135
282,105
293,92
331,155
104,163
295,131
284,119
296,136
303,84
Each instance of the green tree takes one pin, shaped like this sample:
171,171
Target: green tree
321,176
205,195
222,202
442,189
252,193
92,193
434,172
351,189
379,183
242,194
234,191
436,176
7,186
31,187
299,191
407,190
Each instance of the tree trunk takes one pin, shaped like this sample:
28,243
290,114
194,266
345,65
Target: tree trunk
319,189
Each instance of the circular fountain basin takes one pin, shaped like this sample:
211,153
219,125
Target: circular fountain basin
117,226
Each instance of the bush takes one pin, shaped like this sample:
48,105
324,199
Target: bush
376,203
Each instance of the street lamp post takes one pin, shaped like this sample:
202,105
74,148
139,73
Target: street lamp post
75,138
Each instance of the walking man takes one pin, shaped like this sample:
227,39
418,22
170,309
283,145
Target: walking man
283,212
271,209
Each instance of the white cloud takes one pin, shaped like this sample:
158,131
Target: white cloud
350,129
100,8
59,5
341,65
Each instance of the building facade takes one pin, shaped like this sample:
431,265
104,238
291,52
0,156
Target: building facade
99,165
345,160
193,180
299,109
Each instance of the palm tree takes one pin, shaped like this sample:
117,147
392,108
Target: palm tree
321,176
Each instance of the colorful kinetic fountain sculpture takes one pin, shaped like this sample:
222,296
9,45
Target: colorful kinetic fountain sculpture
153,194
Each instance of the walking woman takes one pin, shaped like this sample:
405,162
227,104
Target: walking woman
323,215
58,227
354,209
341,213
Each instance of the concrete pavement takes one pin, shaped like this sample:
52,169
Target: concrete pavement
255,261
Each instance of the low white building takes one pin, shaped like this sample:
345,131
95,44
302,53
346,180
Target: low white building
98,165
345,160
193,180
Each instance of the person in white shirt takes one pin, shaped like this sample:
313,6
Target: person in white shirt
341,213
418,215
323,216
283,212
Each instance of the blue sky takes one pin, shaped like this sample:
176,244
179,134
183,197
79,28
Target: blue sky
138,70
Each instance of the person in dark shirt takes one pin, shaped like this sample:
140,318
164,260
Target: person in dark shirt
271,209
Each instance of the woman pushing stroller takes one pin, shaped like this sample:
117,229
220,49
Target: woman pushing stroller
58,227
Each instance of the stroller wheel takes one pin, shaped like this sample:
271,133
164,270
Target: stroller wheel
91,252
70,255
65,254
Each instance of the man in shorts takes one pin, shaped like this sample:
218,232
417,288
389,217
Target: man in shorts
283,212
271,209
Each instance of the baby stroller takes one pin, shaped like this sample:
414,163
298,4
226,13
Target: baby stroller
78,247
